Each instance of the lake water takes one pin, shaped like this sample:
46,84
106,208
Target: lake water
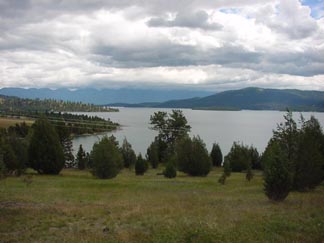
225,127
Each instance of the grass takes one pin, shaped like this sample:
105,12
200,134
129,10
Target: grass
7,122
75,207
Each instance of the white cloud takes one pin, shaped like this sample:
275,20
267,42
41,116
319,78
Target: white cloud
205,44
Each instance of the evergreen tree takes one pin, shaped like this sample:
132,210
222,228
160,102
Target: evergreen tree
66,142
128,153
140,165
107,159
45,151
255,159
3,169
193,157
277,177
239,157
153,154
171,127
309,158
227,168
170,168
81,158
216,155
222,179
249,173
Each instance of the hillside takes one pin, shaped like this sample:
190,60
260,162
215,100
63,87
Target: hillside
14,104
253,99
105,96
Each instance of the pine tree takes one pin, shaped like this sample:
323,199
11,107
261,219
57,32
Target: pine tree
216,155
222,179
193,157
45,151
227,168
153,154
277,176
170,168
128,153
249,173
107,159
140,165
81,158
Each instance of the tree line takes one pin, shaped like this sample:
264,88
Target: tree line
15,104
293,159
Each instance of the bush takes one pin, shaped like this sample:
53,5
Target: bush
249,174
45,151
227,168
170,169
3,169
216,155
129,156
141,165
239,157
277,177
192,157
106,158
222,179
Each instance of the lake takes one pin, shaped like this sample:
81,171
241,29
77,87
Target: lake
225,127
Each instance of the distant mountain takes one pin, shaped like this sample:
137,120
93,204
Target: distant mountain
252,99
105,96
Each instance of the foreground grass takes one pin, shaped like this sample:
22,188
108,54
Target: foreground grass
7,122
75,207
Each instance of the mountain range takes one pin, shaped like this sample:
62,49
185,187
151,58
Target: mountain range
105,96
249,99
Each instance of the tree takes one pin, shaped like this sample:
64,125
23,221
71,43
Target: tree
3,169
309,158
170,127
216,155
140,165
129,156
170,168
238,157
277,176
81,158
192,156
45,151
255,159
66,142
249,174
153,154
227,168
107,159
222,179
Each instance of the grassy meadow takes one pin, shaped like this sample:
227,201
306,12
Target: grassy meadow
75,207
7,122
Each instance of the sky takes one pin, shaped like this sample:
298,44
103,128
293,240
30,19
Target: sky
198,44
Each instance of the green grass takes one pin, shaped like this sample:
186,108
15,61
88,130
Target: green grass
7,122
75,207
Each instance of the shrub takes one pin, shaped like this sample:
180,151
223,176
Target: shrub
141,165
222,179
192,157
45,151
170,169
227,168
249,174
216,155
106,158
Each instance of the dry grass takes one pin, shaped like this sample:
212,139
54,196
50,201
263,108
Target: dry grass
75,207
7,122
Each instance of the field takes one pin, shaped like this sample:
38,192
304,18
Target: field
7,122
75,207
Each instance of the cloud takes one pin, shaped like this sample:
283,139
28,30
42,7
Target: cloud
204,44
198,20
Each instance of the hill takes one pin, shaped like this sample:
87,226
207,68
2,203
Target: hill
252,99
105,96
